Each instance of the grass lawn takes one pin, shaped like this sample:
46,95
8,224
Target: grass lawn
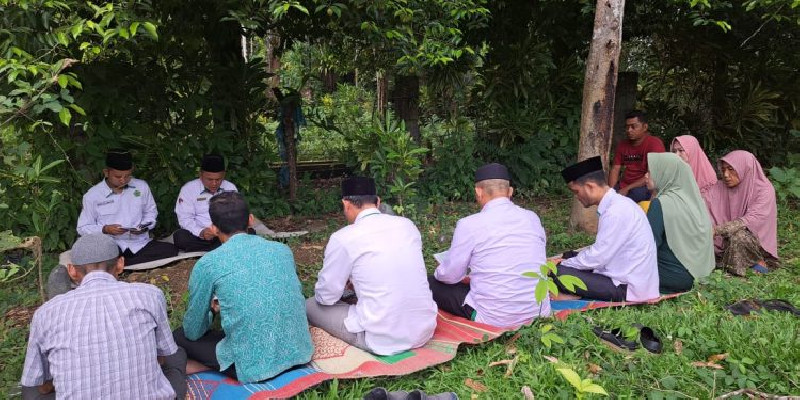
759,351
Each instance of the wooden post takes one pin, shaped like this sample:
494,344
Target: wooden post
597,114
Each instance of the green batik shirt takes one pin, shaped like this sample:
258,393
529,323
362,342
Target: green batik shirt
261,306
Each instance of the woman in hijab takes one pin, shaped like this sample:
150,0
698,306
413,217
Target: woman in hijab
745,215
680,222
688,149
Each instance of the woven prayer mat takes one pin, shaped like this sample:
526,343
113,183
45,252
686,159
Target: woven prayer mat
563,308
334,358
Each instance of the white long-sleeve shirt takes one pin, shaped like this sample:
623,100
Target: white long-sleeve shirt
132,207
498,245
624,249
192,205
382,256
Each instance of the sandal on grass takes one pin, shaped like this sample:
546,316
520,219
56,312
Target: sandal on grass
649,340
615,339
778,305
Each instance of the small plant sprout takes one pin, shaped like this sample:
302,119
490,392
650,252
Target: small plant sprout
581,386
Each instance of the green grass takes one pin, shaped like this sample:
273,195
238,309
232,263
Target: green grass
762,350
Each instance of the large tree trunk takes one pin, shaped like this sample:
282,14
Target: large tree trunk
273,42
405,99
597,115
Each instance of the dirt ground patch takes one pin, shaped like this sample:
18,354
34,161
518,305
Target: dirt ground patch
174,278
292,223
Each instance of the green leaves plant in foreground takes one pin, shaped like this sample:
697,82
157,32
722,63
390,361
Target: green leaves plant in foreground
582,386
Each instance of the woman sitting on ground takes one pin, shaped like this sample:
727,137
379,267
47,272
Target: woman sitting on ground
680,222
745,215
688,149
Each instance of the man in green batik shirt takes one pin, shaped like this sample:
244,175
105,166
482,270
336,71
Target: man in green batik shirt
251,282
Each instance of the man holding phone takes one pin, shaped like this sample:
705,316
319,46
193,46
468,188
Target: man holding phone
123,207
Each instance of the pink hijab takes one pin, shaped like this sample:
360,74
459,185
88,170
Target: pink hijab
752,200
704,173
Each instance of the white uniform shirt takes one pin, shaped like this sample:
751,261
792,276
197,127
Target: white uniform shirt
624,249
130,208
382,256
192,205
497,245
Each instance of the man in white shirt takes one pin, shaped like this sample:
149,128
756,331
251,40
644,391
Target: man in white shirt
123,207
496,246
621,264
192,206
381,256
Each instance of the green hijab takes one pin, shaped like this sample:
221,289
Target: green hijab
686,219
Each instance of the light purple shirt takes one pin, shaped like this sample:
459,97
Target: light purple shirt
624,249
382,256
498,245
100,341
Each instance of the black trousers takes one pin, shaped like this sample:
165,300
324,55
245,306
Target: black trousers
173,367
154,250
450,298
598,287
186,241
204,350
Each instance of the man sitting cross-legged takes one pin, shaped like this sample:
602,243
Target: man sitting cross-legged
622,263
105,339
192,206
496,246
251,282
381,255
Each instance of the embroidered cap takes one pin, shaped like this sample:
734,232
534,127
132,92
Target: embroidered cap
94,248
119,159
212,163
358,186
492,171
575,171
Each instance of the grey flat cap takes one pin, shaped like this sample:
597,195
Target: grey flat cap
93,248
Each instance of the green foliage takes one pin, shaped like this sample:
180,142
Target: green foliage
32,200
581,386
448,172
395,161
787,179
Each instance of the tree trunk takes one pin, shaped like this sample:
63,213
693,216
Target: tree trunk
288,108
405,99
273,42
597,115
382,94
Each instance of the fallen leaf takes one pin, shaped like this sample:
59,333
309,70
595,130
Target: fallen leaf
475,385
586,355
551,359
594,368
718,357
445,368
513,338
165,278
678,347
706,365
527,393
501,362
473,396
479,372
152,281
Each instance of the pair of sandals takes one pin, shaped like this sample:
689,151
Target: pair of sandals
615,338
747,306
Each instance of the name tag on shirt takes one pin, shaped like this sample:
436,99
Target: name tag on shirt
102,203
202,198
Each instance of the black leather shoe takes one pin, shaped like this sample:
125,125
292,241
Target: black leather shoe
615,338
650,341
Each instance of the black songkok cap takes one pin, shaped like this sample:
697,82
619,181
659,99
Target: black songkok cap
575,171
212,163
119,159
492,171
358,186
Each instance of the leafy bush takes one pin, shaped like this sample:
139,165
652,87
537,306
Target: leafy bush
448,171
787,179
